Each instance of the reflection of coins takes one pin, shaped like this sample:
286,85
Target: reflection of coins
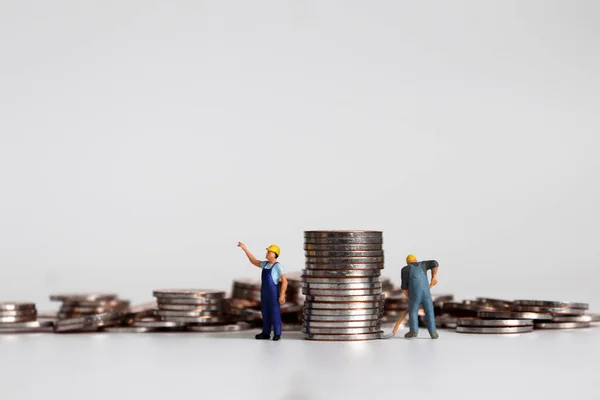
494,330
546,303
561,325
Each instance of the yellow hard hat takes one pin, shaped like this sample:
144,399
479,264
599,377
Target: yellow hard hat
410,259
275,249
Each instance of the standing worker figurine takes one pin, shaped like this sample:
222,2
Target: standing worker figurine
416,288
270,300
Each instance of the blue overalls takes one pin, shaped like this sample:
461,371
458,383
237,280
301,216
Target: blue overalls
269,301
419,294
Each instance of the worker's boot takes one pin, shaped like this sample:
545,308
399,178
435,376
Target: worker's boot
434,335
276,337
262,336
410,335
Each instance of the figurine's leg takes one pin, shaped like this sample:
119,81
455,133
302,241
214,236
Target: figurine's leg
266,316
413,311
429,315
276,318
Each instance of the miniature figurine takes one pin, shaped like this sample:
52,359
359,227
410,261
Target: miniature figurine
416,288
270,300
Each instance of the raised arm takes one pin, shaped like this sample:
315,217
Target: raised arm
252,259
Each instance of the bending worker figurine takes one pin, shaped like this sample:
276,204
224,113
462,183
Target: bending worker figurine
272,273
416,288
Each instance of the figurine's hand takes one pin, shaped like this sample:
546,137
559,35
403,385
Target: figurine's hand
433,282
281,299
242,245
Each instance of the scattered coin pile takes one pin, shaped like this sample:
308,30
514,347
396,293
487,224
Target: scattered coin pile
485,315
88,311
21,317
341,284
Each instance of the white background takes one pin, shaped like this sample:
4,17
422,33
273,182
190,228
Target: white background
140,140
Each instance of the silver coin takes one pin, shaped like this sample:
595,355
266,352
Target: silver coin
308,280
240,326
189,293
494,322
340,318
546,303
344,260
552,310
199,320
88,310
572,318
169,313
343,247
513,315
494,329
344,338
310,305
189,307
37,329
346,240
20,318
154,323
16,306
190,301
343,254
458,307
83,297
126,329
334,299
561,325
342,234
344,266
19,313
92,321
343,313
499,302
342,292
342,286
340,324
340,331
197,307
341,273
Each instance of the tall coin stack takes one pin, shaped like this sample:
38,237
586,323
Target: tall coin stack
341,282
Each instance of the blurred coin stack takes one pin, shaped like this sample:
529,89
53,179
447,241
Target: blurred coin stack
17,317
341,284
88,311
497,316
184,307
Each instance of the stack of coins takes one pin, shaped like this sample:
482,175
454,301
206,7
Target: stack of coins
87,312
76,305
486,315
191,307
344,299
17,317
394,307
